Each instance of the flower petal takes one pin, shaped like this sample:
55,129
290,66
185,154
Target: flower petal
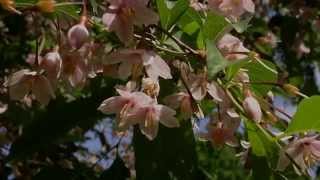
167,116
42,89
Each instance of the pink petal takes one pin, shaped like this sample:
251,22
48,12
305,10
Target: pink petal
252,108
42,89
17,77
167,116
248,5
156,66
78,35
112,105
151,131
213,90
125,70
20,90
78,77
174,100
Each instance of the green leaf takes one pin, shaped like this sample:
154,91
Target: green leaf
242,25
177,11
307,117
163,12
169,17
215,61
258,73
261,143
214,26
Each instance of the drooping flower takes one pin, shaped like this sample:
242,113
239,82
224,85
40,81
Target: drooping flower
148,116
252,107
122,15
25,81
154,65
78,34
122,105
75,69
199,87
222,128
182,100
305,152
232,8
232,48
9,5
52,64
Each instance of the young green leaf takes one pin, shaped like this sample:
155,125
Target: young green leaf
307,117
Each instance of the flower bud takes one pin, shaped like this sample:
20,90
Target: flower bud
78,35
9,5
291,89
252,108
52,63
46,6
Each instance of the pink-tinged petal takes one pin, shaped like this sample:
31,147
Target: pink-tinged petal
174,100
78,77
141,99
155,66
52,63
145,16
198,92
18,91
167,116
213,90
123,27
78,35
125,70
248,5
137,115
42,90
109,18
112,105
16,77
252,108
150,131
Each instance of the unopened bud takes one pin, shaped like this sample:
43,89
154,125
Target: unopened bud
291,89
78,35
9,6
252,108
46,6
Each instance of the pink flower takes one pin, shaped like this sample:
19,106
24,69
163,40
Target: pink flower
148,116
52,64
199,87
78,34
24,81
305,152
75,69
154,65
232,48
182,100
122,105
222,130
122,15
252,107
232,8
